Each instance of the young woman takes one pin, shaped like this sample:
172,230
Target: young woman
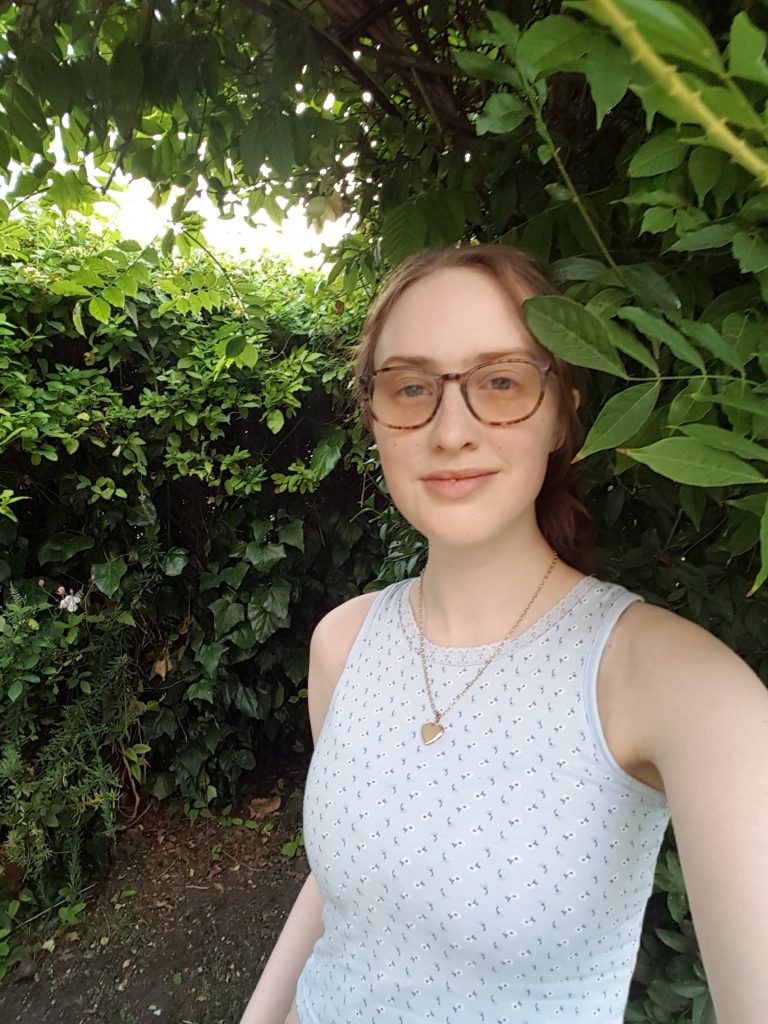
500,743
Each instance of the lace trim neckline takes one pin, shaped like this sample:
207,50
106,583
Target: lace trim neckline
475,655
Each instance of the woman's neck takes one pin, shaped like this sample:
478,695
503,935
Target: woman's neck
472,597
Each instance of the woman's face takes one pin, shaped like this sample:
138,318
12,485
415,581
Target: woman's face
461,482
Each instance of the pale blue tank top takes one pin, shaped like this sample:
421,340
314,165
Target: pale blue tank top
498,876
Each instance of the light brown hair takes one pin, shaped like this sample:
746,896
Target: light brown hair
560,509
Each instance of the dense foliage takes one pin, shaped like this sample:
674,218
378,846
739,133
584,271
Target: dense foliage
621,140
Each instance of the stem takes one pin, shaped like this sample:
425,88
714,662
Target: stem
690,99
544,132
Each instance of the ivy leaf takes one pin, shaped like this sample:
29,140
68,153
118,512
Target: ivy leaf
63,546
209,656
263,556
174,561
293,534
746,50
621,417
688,462
201,690
327,452
571,332
107,575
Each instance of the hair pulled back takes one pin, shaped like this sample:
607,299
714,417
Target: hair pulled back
560,509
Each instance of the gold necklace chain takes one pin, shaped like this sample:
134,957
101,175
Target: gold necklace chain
433,730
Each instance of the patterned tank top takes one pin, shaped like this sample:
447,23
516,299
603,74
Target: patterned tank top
499,875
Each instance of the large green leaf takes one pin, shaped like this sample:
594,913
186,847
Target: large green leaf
569,331
555,43
663,152
725,440
688,462
63,546
621,417
669,28
504,112
746,51
477,65
663,333
107,575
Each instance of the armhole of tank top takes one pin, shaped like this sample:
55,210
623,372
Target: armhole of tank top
391,593
621,602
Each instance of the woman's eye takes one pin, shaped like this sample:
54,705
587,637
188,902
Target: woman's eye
412,390
501,383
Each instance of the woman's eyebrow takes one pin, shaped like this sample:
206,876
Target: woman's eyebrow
479,357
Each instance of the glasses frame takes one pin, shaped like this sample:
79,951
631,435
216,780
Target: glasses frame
367,382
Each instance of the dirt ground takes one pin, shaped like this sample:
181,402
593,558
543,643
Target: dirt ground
179,930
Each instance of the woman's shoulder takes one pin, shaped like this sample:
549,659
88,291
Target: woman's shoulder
332,641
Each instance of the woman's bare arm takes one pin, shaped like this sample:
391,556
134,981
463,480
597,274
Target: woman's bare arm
274,994
275,991
701,716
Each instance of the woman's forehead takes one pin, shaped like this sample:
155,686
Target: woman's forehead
459,314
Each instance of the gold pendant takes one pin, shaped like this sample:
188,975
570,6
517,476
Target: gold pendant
431,732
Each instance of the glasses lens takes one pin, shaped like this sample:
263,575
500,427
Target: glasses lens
402,396
504,391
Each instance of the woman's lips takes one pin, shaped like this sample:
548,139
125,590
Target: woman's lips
457,486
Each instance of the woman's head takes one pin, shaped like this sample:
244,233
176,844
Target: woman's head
495,280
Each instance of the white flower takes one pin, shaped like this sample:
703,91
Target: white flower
70,602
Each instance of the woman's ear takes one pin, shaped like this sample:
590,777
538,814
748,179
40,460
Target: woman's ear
576,398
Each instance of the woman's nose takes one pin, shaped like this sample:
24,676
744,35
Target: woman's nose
453,426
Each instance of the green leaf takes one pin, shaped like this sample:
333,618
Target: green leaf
571,332
712,236
403,230
762,575
608,69
631,346
503,112
77,319
107,575
746,50
281,154
725,440
669,28
327,452
620,418
15,690
209,657
174,561
263,556
99,309
506,32
555,43
661,153
246,701
253,149
275,420
706,335
226,615
660,331
656,220
686,461
63,546
751,251
705,165
201,690
478,65
292,534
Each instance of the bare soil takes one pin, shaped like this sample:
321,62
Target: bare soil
178,932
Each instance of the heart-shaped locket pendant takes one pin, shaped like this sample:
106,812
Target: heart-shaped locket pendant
431,731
